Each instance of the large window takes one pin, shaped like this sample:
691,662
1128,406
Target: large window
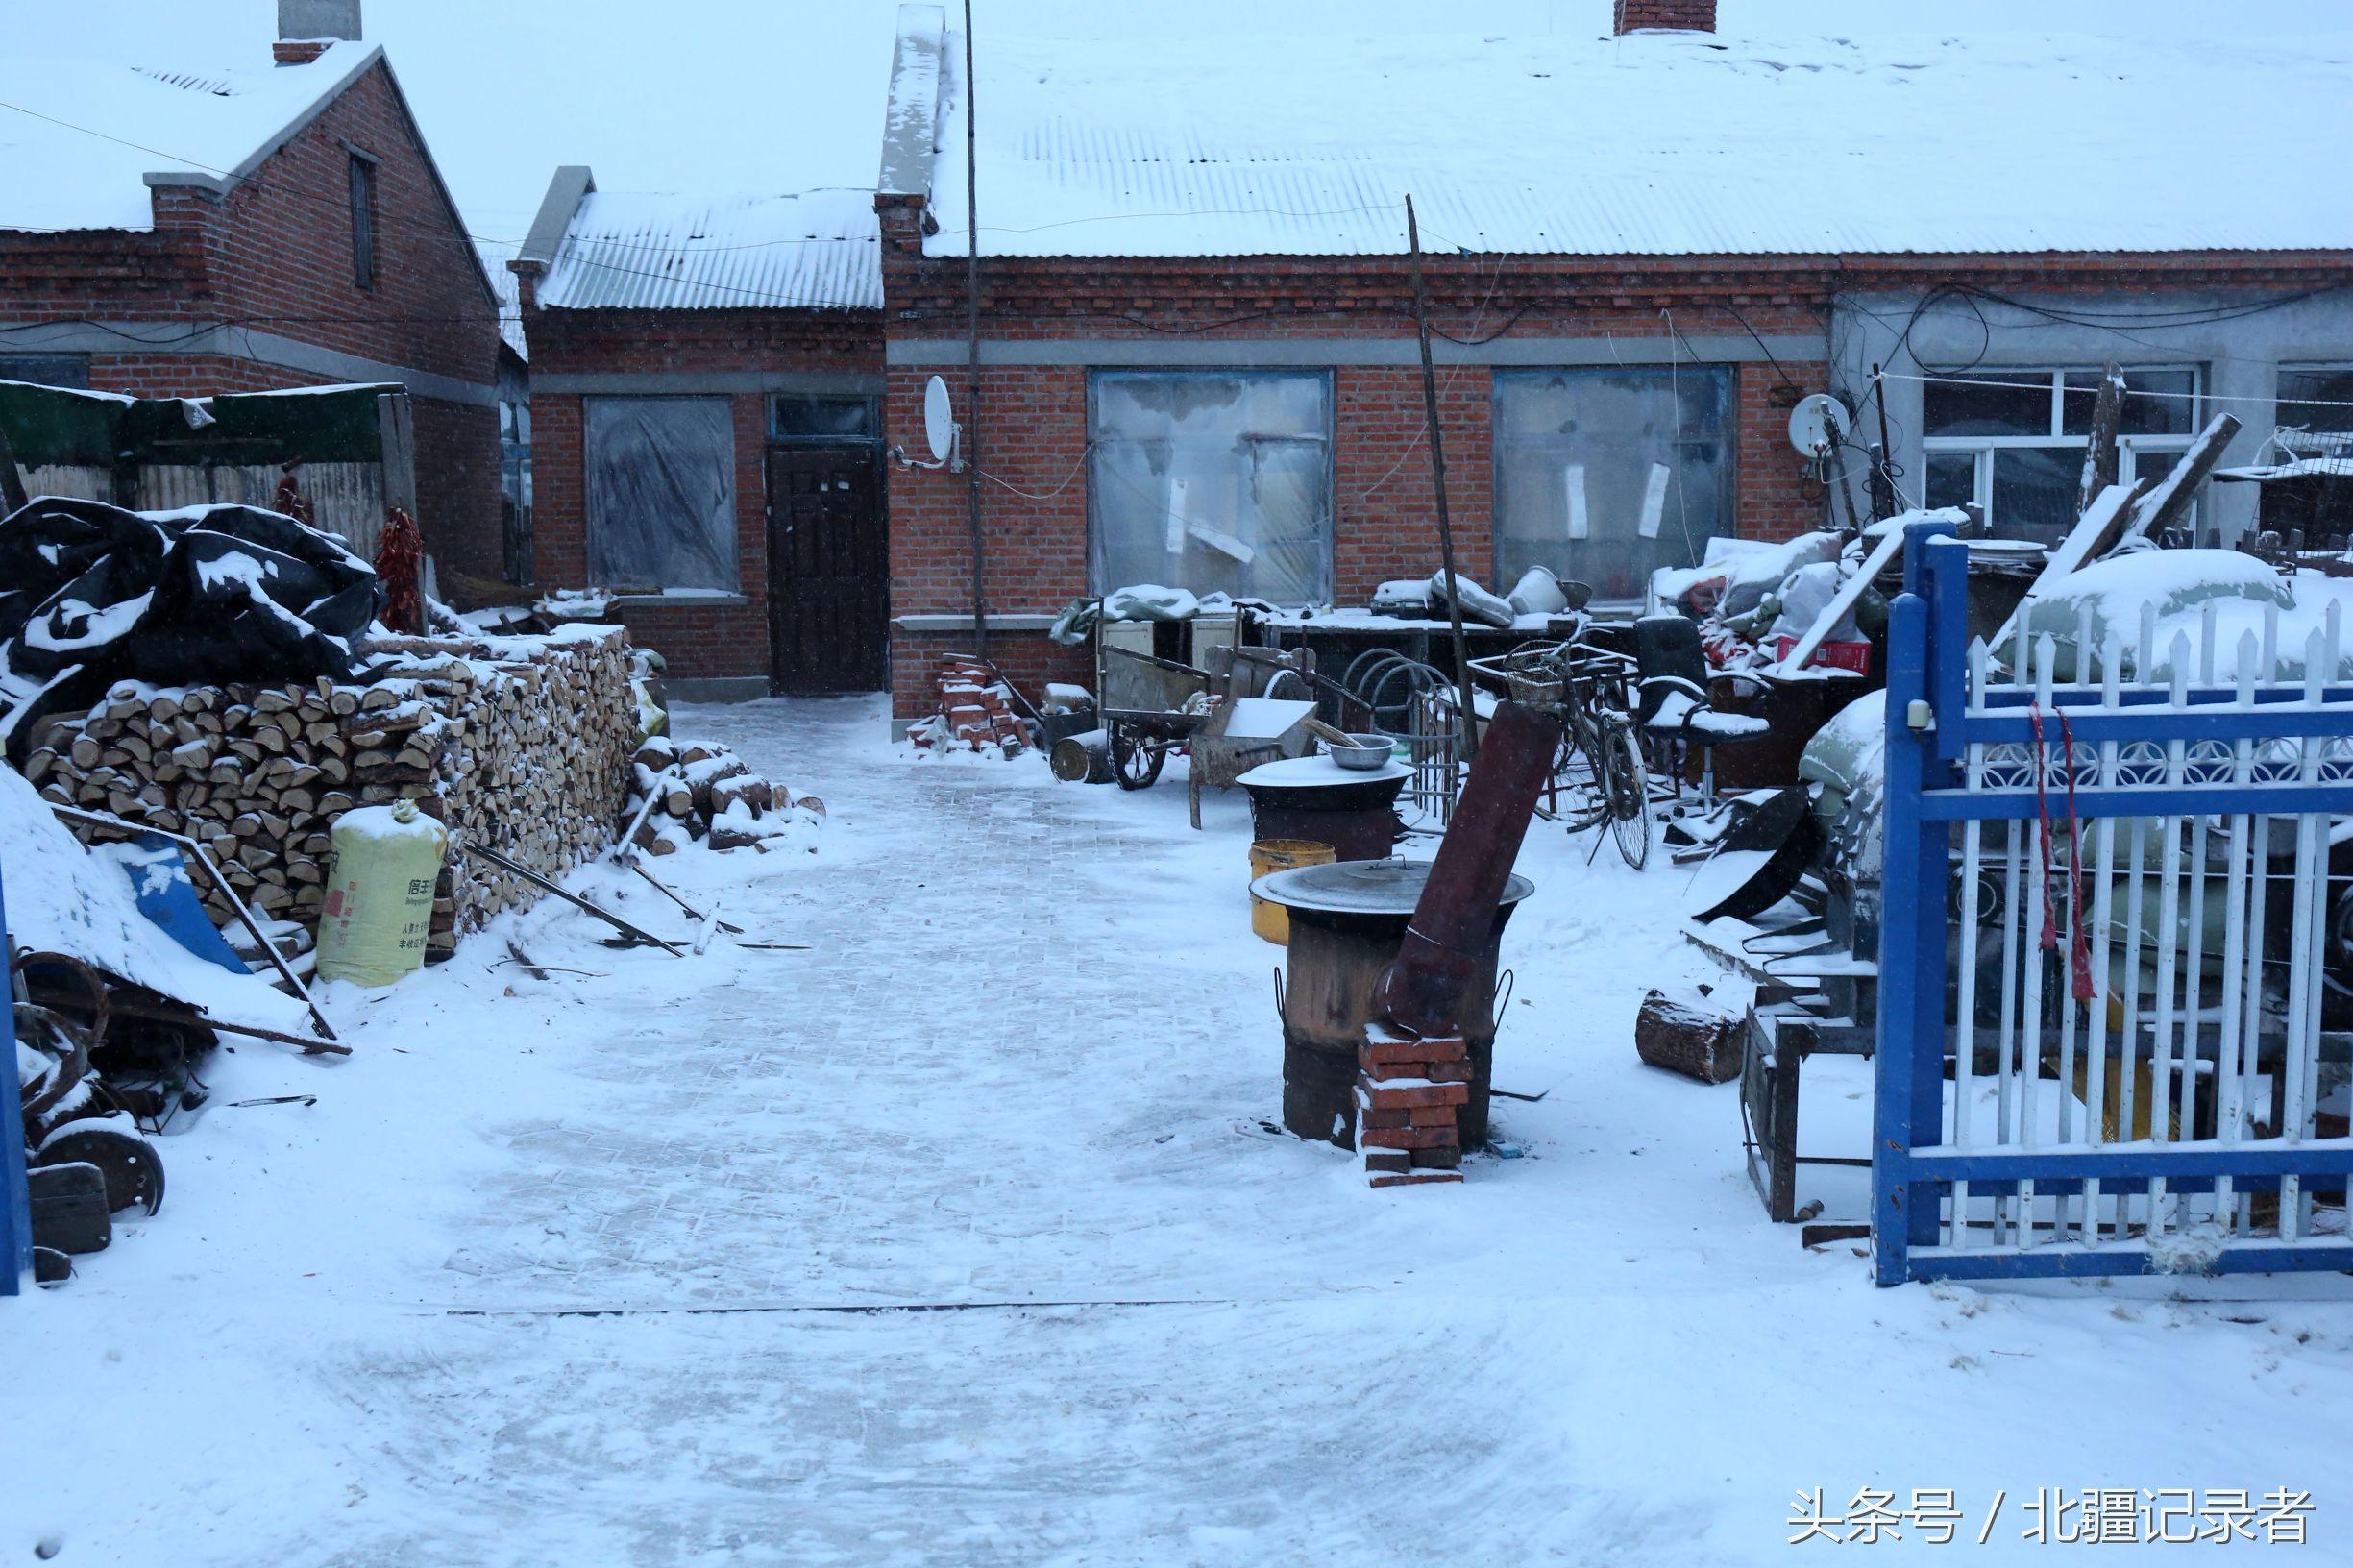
1213,480
661,493
1604,476
2012,441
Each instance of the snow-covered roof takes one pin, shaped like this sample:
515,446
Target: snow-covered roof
1655,144
80,139
816,248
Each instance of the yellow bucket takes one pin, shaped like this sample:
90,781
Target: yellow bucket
1272,920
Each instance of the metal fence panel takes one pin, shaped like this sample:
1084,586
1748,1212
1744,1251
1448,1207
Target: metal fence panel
2109,915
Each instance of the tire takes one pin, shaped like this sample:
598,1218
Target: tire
1630,795
1135,761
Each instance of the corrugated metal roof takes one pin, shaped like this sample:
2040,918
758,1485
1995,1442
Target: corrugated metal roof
816,250
89,132
1651,144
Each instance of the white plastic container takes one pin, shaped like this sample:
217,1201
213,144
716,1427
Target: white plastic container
379,894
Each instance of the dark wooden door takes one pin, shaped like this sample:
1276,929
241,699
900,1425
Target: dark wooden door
828,569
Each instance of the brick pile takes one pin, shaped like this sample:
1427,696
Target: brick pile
1409,1091
975,712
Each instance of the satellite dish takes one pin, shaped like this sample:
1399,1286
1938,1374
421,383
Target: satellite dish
1817,422
938,420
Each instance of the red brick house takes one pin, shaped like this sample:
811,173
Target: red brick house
1196,337
291,230
1198,363
706,384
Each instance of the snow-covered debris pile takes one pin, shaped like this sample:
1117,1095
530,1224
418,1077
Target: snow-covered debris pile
63,900
700,792
91,595
2174,591
519,744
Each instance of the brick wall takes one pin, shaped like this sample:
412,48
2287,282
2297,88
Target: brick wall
1029,423
698,639
276,253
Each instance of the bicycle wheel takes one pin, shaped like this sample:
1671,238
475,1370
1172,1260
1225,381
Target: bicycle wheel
1580,779
1630,795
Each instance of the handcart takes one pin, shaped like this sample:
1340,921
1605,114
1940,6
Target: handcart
1150,706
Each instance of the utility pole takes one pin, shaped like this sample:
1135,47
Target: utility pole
1438,476
972,343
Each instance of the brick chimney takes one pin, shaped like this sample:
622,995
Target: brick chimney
307,27
1660,16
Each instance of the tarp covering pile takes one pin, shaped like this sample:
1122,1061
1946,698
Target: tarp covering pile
92,593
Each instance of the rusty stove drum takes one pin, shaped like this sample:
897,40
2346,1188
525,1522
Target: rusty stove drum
1317,799
1347,921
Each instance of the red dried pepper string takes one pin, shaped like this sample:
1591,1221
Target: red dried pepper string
2079,946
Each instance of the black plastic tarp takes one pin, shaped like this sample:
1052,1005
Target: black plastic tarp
92,593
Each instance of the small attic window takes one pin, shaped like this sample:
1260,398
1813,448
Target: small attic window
364,220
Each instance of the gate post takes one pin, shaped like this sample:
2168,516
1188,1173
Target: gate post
15,1206
1908,1078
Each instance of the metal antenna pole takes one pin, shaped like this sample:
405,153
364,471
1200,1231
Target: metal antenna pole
1438,476
971,342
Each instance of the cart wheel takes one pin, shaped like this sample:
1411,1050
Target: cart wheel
1135,761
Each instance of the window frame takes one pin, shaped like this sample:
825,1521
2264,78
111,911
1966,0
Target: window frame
366,214
1983,449
1727,438
869,404
1096,586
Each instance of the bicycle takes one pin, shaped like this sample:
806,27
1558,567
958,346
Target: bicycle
1598,727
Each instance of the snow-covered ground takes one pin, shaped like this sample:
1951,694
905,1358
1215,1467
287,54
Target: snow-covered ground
632,1266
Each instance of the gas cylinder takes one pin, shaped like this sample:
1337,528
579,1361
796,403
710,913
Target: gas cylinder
379,894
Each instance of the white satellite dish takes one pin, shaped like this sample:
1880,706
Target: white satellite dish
939,421
1818,422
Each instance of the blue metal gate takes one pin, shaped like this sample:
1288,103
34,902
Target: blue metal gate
2104,962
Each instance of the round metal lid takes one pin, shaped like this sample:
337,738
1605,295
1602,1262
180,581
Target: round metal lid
1319,772
1361,887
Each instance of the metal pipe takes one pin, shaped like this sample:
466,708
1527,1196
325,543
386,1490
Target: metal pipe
971,342
1422,991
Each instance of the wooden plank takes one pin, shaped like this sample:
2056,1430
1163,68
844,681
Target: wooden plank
12,495
399,451
2156,512
2099,456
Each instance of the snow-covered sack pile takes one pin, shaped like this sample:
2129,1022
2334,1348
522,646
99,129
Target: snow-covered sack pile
519,744
700,792
2161,599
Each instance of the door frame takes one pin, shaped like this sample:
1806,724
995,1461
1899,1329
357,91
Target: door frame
870,449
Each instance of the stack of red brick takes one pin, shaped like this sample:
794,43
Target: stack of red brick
975,711
1408,1094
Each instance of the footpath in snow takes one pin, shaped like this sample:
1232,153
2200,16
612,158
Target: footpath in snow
966,1236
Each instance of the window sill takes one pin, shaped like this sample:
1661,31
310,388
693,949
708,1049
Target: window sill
964,623
676,602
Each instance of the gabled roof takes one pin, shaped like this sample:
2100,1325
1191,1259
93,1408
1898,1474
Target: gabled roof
816,250
81,141
1660,143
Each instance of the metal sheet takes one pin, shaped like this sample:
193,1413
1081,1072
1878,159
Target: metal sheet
818,250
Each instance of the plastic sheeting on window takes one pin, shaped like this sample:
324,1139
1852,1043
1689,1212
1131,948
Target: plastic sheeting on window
661,493
1213,482
1606,476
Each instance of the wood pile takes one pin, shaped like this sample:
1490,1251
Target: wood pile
520,744
690,792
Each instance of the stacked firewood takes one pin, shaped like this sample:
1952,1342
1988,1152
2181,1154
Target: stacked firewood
690,792
518,743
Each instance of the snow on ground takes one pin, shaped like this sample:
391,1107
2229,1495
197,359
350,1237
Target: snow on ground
1029,1060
